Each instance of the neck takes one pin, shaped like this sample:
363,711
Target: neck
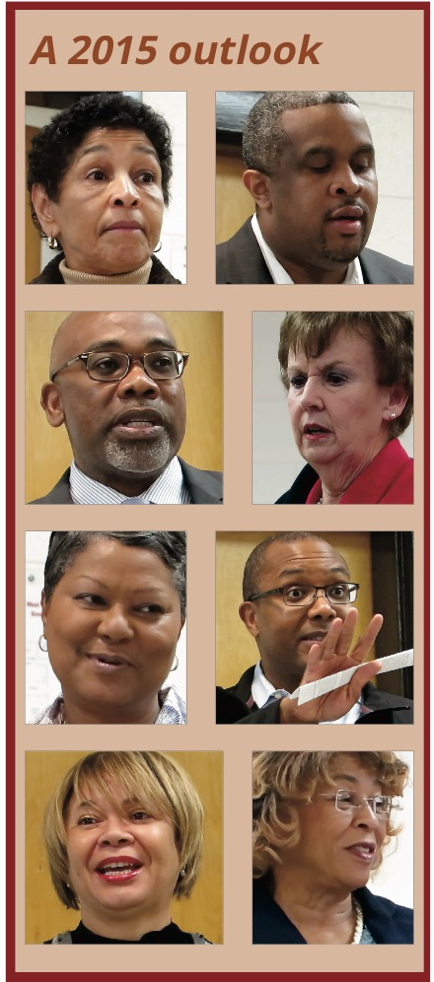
123,925
131,485
76,712
322,913
281,677
337,476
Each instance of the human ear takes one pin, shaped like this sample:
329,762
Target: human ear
247,612
257,184
52,404
45,210
397,401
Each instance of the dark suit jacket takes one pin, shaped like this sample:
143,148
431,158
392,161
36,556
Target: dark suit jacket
235,705
240,260
51,273
205,488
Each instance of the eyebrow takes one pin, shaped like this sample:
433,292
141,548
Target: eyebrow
104,148
336,363
86,802
113,344
350,778
316,151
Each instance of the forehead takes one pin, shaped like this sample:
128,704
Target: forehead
109,140
337,127
306,558
349,770
346,346
112,561
128,331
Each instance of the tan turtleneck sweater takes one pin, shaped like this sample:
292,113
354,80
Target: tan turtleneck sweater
137,276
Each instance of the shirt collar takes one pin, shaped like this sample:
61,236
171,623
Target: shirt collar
264,693
172,709
278,273
168,489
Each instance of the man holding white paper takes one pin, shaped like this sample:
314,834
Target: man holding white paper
298,599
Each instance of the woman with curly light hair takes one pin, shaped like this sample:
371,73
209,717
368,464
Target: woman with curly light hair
320,822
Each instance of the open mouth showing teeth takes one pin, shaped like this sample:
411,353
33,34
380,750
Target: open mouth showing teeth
118,868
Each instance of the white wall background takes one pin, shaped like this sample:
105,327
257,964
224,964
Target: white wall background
42,685
394,879
276,460
390,119
171,105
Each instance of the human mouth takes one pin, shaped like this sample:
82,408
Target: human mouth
139,423
314,431
347,219
364,851
124,226
105,662
314,637
121,869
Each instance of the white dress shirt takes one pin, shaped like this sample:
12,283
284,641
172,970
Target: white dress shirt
278,273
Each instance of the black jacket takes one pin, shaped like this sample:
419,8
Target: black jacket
52,274
232,705
387,922
240,260
205,488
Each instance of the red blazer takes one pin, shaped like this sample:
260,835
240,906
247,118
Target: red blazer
387,480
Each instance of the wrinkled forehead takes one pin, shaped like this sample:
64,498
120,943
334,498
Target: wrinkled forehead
305,558
127,331
334,126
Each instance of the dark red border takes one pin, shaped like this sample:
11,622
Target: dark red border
11,7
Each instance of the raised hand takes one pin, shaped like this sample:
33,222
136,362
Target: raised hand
331,656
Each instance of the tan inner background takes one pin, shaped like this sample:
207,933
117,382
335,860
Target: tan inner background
236,649
48,451
393,65
46,916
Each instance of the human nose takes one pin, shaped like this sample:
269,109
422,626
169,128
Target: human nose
321,606
311,394
123,191
138,382
114,832
345,181
114,624
365,815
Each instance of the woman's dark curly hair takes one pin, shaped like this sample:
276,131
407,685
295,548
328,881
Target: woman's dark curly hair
54,147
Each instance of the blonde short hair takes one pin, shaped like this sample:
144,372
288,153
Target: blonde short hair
282,781
150,776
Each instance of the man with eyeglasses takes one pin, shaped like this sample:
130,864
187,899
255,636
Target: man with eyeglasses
115,384
297,605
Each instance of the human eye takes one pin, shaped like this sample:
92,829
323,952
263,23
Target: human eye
96,175
338,592
104,364
345,799
336,378
140,815
87,820
146,177
295,593
297,381
162,360
155,609
91,599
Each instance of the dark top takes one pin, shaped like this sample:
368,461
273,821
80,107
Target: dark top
171,934
235,705
240,260
52,274
388,922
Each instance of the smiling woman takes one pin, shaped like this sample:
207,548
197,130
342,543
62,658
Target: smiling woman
98,180
123,833
321,820
113,606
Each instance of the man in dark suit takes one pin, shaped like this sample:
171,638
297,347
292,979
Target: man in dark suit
115,384
298,606
311,173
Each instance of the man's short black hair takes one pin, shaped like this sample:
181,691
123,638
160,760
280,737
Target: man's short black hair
54,147
264,137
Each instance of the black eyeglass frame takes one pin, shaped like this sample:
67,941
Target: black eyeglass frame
285,589
184,355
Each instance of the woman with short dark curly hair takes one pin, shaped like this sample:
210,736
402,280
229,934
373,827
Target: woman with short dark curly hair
98,179
321,820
